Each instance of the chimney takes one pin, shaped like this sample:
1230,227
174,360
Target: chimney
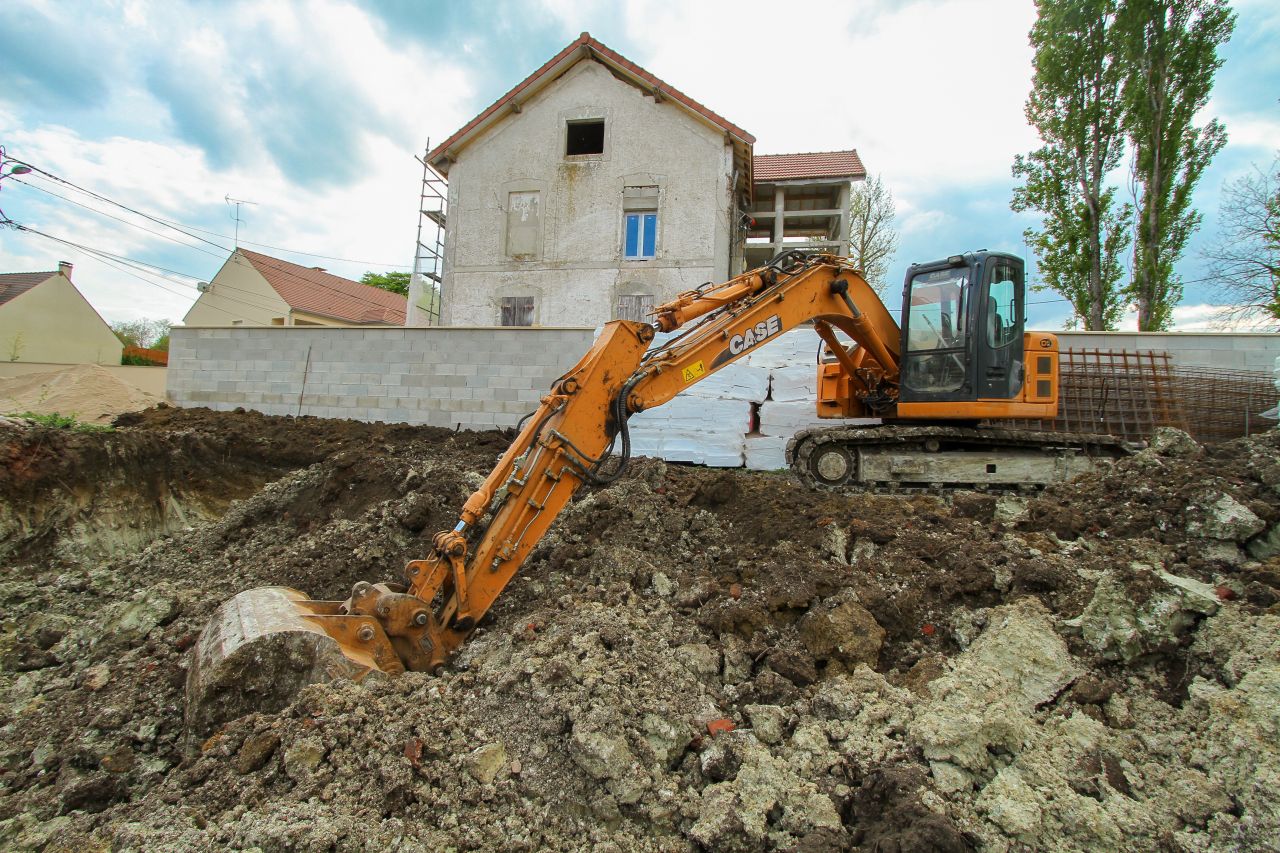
65,268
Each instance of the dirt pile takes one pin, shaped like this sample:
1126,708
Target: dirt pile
691,659
88,392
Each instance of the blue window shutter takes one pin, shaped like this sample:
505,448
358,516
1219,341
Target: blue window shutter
632,248
650,234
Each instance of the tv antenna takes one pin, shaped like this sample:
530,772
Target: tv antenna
237,202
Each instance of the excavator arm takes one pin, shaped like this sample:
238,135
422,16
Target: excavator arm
568,441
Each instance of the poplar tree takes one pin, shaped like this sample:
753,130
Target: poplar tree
1076,105
1171,52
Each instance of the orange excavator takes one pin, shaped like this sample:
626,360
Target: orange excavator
960,357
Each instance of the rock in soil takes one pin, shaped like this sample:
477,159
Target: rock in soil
689,660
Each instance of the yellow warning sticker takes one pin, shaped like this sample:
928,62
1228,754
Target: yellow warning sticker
694,371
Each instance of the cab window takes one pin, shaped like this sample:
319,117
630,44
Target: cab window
1002,307
936,324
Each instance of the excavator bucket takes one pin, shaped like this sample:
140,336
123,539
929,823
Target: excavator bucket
264,645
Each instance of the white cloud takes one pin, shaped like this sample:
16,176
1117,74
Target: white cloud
927,92
372,217
1196,317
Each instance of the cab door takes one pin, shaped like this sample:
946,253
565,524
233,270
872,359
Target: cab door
999,329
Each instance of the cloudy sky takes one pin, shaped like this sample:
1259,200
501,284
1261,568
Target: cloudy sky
314,109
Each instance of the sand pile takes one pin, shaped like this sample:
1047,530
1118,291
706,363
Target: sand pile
87,392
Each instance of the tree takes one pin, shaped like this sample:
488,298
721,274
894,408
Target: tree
142,333
872,238
1170,48
1245,259
1075,104
394,282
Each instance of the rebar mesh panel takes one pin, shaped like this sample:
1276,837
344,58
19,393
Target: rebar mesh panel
1220,405
1128,394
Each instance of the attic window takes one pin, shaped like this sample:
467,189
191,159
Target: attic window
584,137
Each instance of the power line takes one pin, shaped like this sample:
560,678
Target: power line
180,226
121,264
89,192
267,262
117,218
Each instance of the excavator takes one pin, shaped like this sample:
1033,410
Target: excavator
960,358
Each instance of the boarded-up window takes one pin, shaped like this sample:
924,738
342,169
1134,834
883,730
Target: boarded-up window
524,224
635,306
516,311
640,198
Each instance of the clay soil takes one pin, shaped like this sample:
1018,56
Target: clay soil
691,660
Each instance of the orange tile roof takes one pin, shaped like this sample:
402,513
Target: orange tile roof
14,284
819,164
318,292
618,59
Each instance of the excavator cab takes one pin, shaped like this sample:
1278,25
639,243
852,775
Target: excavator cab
962,330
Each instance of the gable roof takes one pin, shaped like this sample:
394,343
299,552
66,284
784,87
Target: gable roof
819,164
585,47
316,291
14,284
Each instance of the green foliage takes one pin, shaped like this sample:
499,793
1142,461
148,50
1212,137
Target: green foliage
872,238
136,361
394,282
1109,72
1075,104
1170,48
142,333
59,421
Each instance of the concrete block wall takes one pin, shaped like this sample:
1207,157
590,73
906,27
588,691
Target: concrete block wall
1226,350
477,378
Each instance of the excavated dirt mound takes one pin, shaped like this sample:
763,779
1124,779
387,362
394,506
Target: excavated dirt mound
690,660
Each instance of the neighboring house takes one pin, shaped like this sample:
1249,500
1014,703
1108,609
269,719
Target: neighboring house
802,202
590,191
44,318
253,289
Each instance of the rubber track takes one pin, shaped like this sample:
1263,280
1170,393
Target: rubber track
804,443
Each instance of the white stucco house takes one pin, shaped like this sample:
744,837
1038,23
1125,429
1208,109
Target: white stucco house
594,190
590,191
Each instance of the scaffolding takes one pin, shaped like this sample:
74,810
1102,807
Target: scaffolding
426,287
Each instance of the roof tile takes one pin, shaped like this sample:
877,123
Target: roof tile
614,57
14,284
818,164
316,291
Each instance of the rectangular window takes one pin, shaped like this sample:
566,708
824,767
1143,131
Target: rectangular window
635,306
516,311
641,236
584,137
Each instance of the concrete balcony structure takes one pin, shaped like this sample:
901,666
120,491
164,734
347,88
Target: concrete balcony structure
801,201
